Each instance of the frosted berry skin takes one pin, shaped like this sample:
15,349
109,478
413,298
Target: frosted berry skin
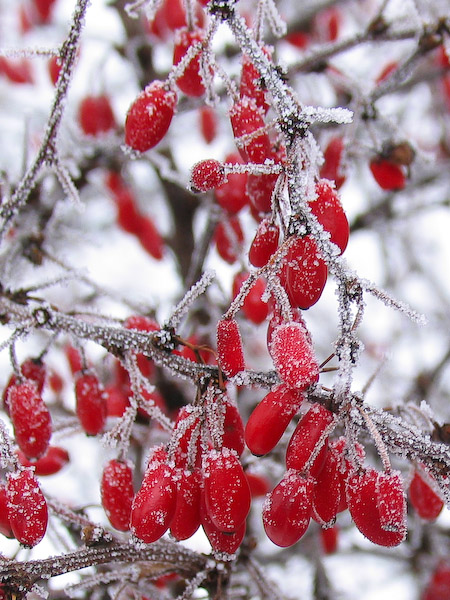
293,356
388,175
91,405
304,274
229,237
206,175
424,500
327,493
287,509
117,493
232,194
378,509
229,347
246,118
95,115
27,508
264,244
331,169
330,214
33,369
306,437
269,419
149,117
190,82
50,463
227,542
187,517
227,493
30,418
154,505
5,527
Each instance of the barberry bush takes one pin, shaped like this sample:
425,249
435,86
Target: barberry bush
224,299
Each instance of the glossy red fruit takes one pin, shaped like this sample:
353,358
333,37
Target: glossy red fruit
150,238
259,485
5,527
293,356
260,189
187,517
370,501
32,369
327,24
346,464
149,117
305,440
332,167
74,359
30,418
154,505
388,175
117,400
246,118
90,403
229,238
327,494
190,82
175,14
264,244
269,419
427,504
329,539
187,436
226,542
50,463
254,307
207,175
117,493
304,273
17,70
229,347
227,493
208,123
232,195
233,428
27,508
44,9
329,212
95,115
128,216
438,587
287,509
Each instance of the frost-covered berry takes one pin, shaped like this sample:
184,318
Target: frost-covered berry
377,505
149,117
427,504
27,508
327,493
95,115
264,243
293,356
287,509
117,493
229,238
232,194
50,463
247,118
227,493
207,175
190,82
329,212
229,347
187,517
305,440
30,418
91,406
332,166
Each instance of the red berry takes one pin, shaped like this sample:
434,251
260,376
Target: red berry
128,216
17,70
304,273
27,508
175,15
260,189
32,369
50,463
332,167
232,195
327,494
150,238
54,68
207,175
246,118
259,485
254,307
5,527
30,418
327,24
74,358
293,356
190,82
229,347
154,505
330,214
264,244
95,115
439,586
227,542
424,499
187,517
229,237
117,493
227,493
306,437
389,68
329,539
90,403
251,82
208,123
370,501
149,117
187,435
268,421
233,428
117,400
287,509
388,175
44,9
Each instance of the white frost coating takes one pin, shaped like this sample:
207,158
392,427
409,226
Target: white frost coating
189,298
